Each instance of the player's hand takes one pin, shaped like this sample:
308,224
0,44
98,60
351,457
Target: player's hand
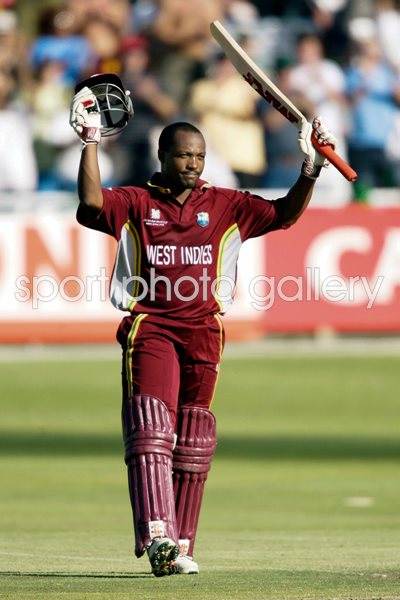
85,119
314,161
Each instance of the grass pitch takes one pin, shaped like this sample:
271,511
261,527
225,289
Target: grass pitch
302,501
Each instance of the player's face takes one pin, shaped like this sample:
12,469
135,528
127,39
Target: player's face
183,164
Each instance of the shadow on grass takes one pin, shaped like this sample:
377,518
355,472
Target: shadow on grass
76,575
245,447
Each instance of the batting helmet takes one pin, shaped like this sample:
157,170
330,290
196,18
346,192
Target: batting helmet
112,101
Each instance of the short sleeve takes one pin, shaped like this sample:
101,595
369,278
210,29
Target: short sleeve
255,215
117,203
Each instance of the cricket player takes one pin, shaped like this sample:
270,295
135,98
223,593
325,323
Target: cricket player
179,239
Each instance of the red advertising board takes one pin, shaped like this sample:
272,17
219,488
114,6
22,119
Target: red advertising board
337,268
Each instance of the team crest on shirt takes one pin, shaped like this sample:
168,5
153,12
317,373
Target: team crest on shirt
203,219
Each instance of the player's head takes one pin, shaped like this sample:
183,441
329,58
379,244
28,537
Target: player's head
181,151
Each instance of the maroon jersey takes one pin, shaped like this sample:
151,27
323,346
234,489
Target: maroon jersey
178,259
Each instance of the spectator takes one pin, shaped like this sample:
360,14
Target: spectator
322,82
330,21
153,108
280,135
13,48
16,146
242,14
388,30
8,40
50,99
143,14
104,40
114,12
226,110
373,89
58,41
180,40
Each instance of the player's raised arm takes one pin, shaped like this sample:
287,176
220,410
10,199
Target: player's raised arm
300,193
86,122
89,183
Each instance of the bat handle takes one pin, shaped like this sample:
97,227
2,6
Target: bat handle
335,159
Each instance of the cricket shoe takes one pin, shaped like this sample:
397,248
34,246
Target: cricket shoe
162,554
184,565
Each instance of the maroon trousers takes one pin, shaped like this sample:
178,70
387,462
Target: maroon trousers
170,370
174,360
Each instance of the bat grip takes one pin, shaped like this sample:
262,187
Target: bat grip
334,159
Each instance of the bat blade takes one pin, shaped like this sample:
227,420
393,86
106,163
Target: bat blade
254,76
263,85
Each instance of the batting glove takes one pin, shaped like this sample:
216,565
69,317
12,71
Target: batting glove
85,119
314,161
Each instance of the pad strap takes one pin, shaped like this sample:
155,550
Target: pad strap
149,439
193,454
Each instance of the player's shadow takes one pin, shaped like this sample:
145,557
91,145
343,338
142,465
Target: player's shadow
61,574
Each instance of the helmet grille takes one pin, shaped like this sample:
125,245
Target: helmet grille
114,106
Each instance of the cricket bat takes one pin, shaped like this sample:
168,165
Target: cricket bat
263,85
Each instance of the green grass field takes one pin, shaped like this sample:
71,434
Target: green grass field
302,502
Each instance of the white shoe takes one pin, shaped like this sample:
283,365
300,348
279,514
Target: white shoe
184,565
162,554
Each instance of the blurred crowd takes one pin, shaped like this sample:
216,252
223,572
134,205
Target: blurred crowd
335,58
